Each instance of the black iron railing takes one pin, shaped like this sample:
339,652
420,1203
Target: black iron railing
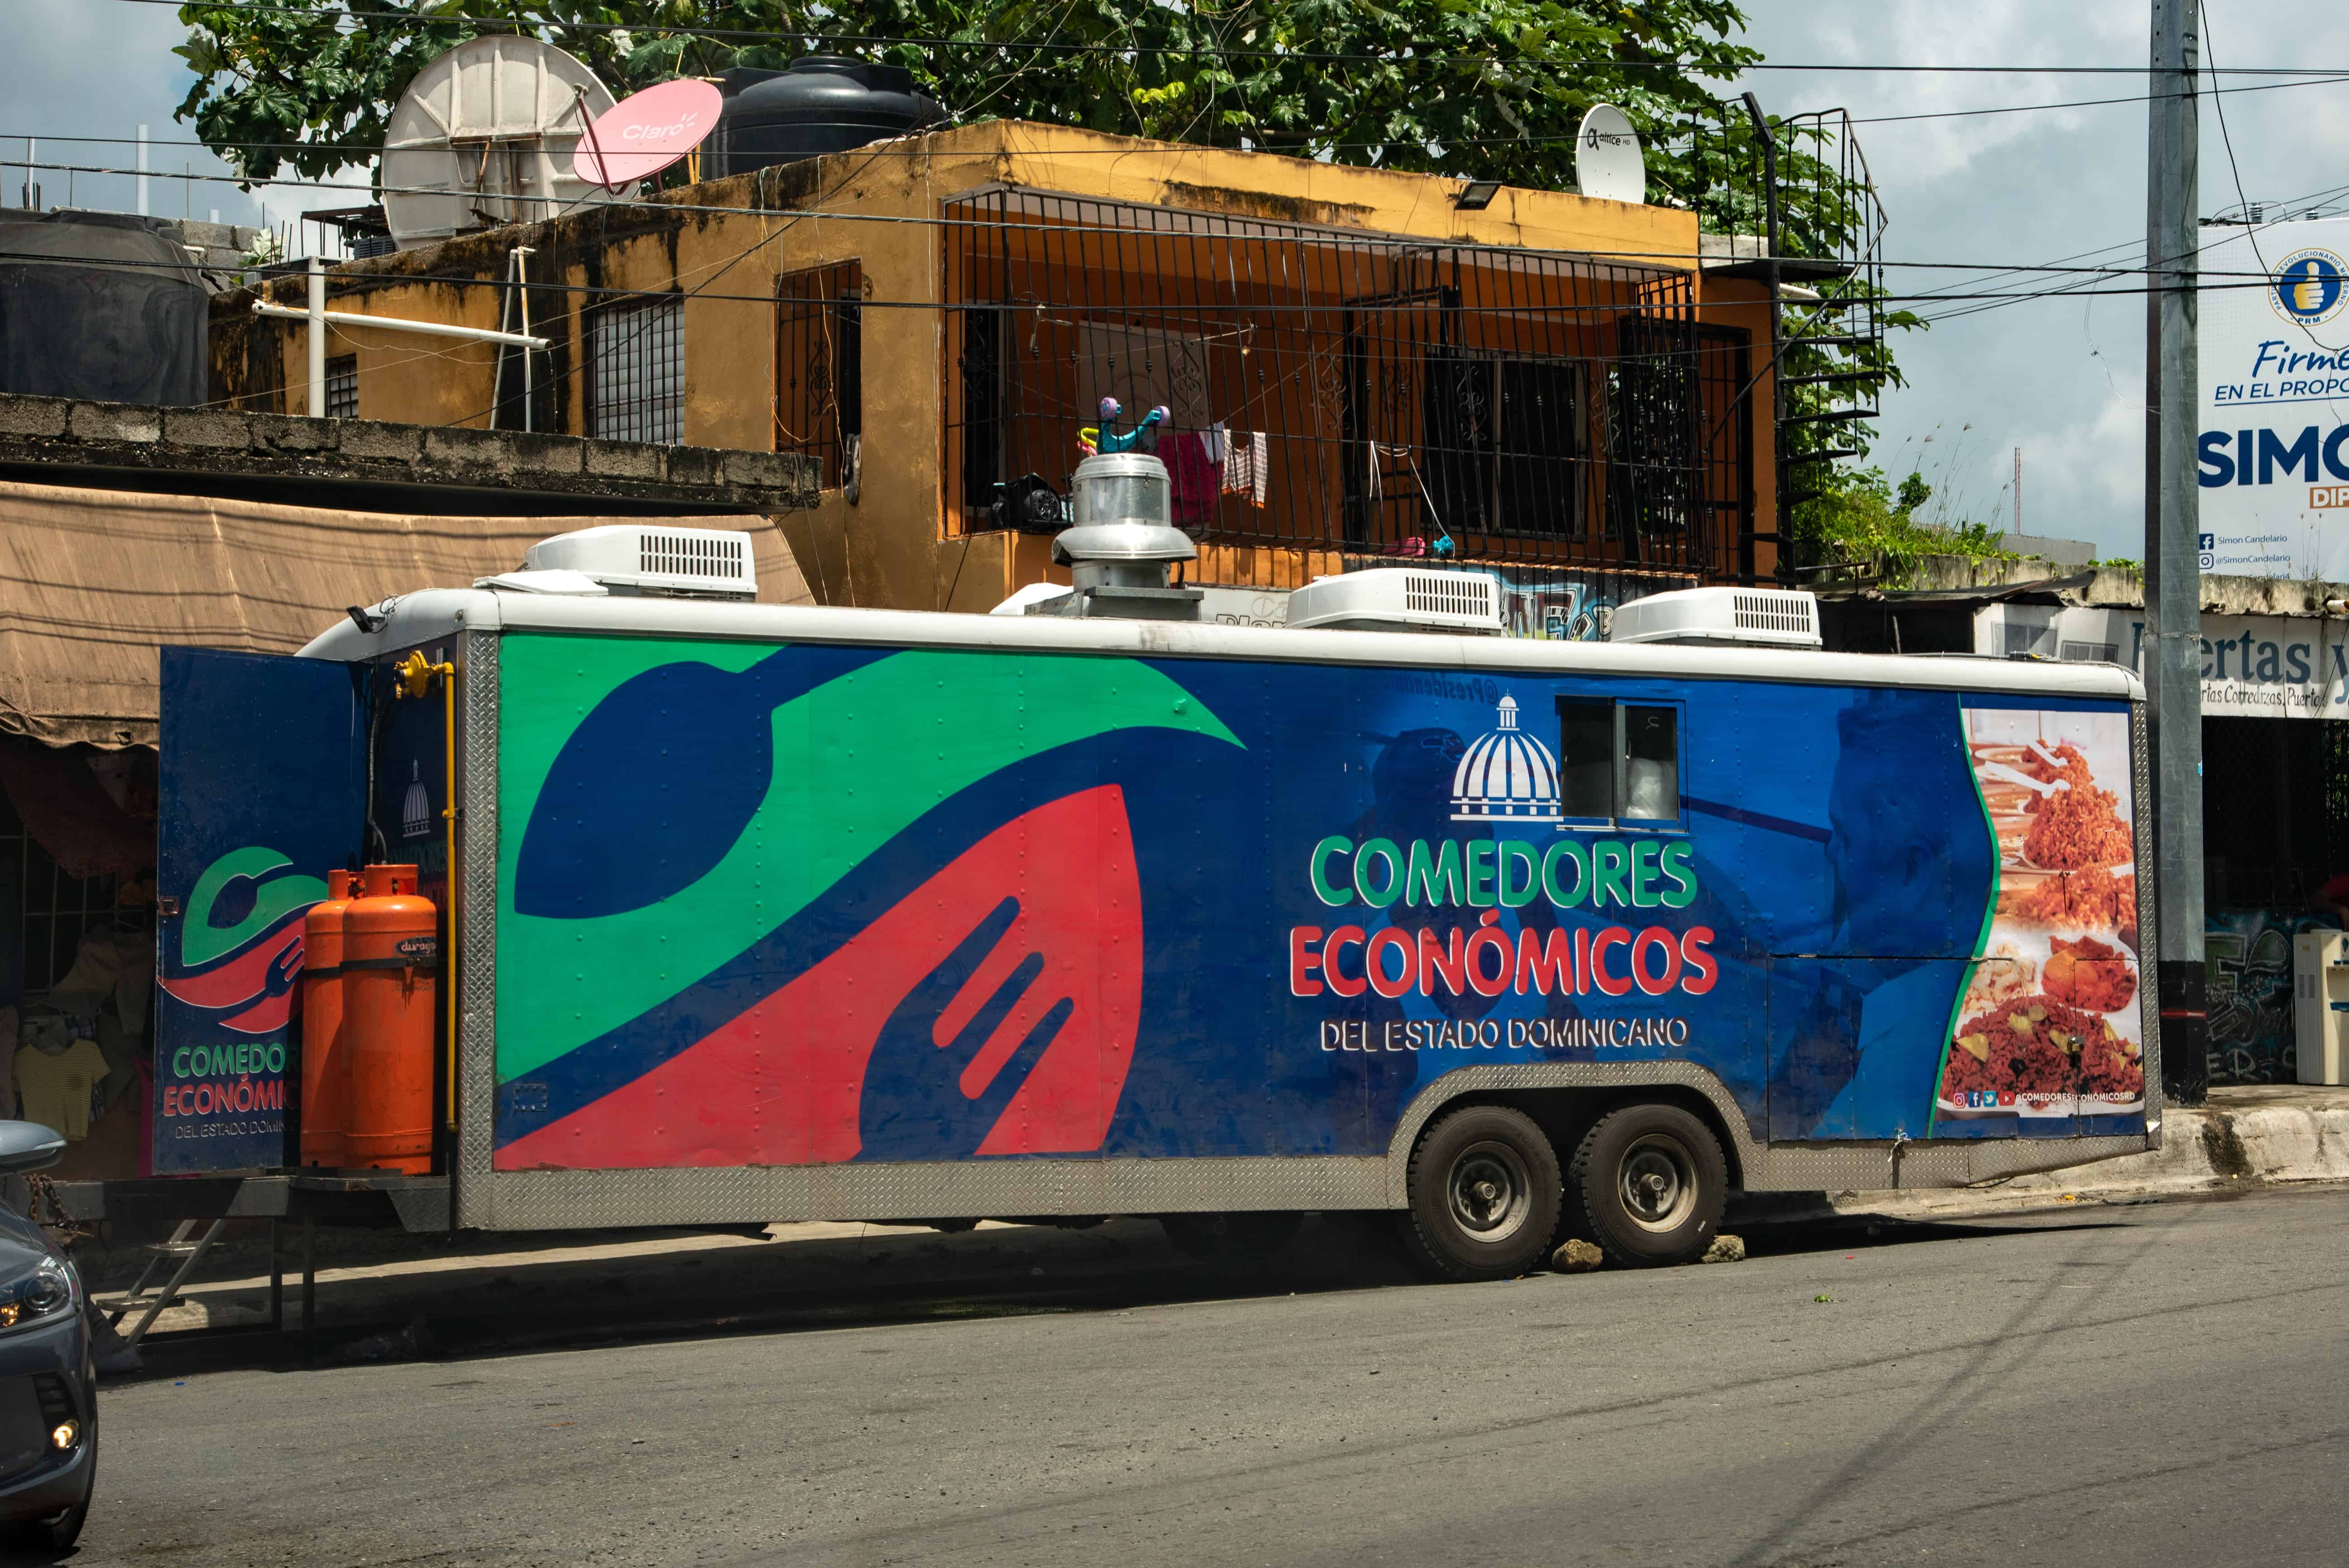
1328,389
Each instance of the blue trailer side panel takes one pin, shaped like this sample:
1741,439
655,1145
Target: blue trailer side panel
775,905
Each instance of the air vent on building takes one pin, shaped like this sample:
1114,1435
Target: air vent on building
636,558
1776,611
1449,594
700,554
2089,653
1399,599
1762,617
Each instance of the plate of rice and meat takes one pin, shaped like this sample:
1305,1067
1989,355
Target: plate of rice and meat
2040,1056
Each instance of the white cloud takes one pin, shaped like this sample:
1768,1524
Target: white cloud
2061,378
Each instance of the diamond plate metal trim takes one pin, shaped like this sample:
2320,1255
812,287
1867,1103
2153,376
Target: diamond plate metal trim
477,942
1776,1167
2149,983
982,1188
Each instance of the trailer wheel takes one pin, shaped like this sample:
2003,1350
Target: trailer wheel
1653,1181
1485,1195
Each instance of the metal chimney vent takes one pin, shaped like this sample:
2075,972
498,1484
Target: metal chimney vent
1121,545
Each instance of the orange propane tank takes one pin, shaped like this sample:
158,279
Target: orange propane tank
325,1068
392,955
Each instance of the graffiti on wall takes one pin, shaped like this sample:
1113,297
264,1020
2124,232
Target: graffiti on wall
2246,980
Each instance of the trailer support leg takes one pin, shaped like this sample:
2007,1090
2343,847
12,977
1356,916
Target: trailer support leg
170,1291
310,1285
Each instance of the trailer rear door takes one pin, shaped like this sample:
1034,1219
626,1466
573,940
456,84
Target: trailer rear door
264,777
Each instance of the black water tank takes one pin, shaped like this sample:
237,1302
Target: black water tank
823,103
102,305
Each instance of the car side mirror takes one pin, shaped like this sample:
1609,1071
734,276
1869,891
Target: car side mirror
28,1146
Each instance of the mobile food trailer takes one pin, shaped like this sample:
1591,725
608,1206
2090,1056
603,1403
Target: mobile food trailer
756,913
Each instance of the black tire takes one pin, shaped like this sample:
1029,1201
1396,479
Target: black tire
1653,1181
1485,1195
1248,1236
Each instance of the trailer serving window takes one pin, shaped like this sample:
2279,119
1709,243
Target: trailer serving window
1618,763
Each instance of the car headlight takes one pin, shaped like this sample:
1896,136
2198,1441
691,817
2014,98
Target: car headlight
35,1294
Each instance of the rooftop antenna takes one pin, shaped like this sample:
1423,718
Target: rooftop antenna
1607,162
484,137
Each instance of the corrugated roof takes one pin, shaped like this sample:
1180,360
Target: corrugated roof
92,582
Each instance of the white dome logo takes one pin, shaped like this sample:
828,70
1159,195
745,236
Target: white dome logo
1508,776
416,810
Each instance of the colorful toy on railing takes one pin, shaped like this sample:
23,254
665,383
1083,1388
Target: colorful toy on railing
1103,438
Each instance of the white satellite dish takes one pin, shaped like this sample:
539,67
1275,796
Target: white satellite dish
1607,162
484,137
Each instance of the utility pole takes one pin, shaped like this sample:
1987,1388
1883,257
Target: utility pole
2173,581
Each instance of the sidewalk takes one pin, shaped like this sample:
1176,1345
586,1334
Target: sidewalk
2244,1138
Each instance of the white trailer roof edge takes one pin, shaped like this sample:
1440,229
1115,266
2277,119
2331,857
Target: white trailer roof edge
419,618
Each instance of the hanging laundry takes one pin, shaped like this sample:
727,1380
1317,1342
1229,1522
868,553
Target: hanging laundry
1248,466
54,1091
1192,477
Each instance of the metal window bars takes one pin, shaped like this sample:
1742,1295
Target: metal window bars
636,371
1345,391
819,366
52,909
342,387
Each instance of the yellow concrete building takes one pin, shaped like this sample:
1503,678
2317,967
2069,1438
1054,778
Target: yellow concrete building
1353,365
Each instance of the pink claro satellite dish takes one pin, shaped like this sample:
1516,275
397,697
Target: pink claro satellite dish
646,132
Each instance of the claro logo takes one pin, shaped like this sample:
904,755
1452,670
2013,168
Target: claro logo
2310,455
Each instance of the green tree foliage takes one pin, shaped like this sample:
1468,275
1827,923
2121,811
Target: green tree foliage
1867,523
1489,89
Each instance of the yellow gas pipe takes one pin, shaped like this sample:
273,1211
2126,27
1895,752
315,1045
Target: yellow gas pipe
416,675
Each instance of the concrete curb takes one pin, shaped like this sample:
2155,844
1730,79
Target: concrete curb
2213,1148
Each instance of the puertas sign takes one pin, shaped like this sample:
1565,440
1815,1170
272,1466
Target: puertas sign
2273,449
2253,667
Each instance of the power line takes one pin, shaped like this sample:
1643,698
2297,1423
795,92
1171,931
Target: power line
1667,260
260,8
374,150
2078,289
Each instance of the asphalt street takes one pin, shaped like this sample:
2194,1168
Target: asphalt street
2161,1383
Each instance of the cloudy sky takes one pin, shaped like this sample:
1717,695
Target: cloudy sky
2062,379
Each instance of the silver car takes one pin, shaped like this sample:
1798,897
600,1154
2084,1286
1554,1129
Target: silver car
48,1404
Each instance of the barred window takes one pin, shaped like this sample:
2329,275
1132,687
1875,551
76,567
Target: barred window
342,387
818,365
635,372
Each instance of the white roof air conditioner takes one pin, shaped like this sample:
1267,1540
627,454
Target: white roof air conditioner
1758,617
1400,598
638,558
